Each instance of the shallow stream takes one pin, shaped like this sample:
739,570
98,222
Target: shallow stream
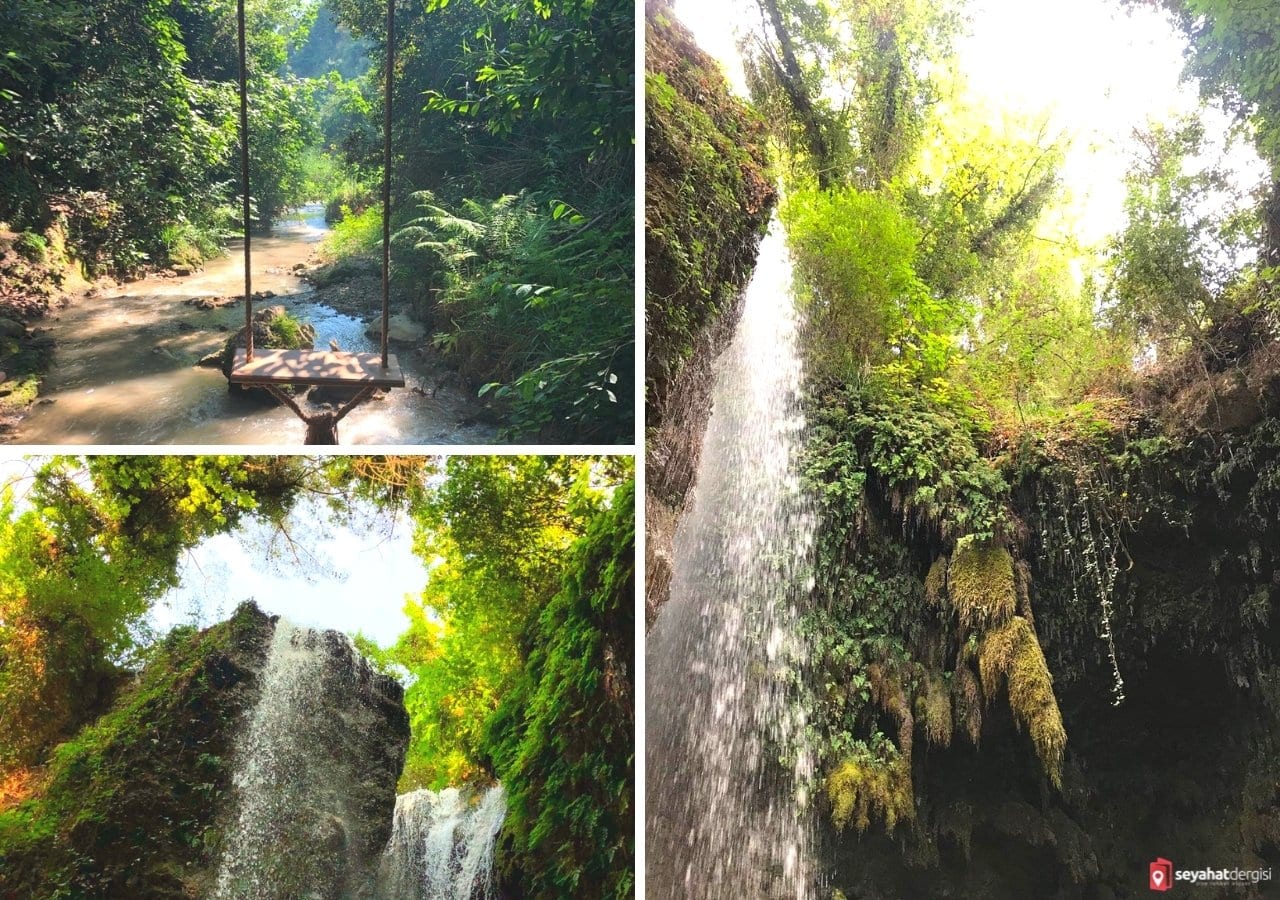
124,368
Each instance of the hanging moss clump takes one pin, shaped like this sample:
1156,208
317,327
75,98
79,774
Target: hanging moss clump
933,707
862,786
888,692
935,583
1012,653
981,585
968,701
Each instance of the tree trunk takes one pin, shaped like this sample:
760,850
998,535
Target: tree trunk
1270,254
792,80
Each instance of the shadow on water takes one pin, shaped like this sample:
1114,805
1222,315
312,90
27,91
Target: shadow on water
124,370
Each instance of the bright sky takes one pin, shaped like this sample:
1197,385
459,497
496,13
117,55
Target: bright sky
348,577
343,578
1096,69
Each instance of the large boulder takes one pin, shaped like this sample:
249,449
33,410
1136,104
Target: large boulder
130,804
249,722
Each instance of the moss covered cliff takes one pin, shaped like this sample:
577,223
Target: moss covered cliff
568,730
708,196
128,806
1050,656
151,799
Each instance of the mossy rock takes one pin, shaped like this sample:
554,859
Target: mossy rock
1011,655
708,195
126,808
274,328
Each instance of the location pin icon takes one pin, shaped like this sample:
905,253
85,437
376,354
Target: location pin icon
1158,877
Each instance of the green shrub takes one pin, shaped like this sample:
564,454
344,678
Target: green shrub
537,302
355,233
562,741
32,247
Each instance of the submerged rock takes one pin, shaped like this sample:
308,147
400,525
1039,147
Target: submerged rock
213,302
400,329
273,328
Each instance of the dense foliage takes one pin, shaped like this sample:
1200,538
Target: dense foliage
518,659
118,123
512,199
100,541
567,730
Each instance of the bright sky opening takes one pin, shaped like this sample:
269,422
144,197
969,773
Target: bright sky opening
1097,70
344,576
340,577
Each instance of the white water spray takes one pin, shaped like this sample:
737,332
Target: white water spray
441,846
728,761
302,801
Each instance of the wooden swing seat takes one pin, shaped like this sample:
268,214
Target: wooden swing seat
325,368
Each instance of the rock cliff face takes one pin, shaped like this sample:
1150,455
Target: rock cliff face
316,767
707,199
148,801
1147,545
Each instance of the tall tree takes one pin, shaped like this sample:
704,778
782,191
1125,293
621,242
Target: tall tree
853,76
1234,54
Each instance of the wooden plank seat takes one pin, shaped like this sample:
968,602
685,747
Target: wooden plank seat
328,368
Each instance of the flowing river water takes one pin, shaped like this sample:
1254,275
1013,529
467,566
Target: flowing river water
124,370
727,757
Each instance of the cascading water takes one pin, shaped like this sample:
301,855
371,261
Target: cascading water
316,769
441,846
726,817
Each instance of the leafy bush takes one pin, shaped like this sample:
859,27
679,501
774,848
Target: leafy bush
854,252
355,233
562,741
31,246
536,300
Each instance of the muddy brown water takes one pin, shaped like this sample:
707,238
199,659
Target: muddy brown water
124,372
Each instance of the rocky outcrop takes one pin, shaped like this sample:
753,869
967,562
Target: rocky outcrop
1147,545
145,801
708,196
316,768
130,803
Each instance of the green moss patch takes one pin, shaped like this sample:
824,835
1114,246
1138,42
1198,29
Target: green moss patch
708,195
861,787
1011,655
127,807
981,585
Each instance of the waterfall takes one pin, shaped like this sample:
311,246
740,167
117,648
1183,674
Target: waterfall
441,846
728,763
311,774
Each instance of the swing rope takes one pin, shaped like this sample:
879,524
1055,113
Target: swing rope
244,175
386,177
386,181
